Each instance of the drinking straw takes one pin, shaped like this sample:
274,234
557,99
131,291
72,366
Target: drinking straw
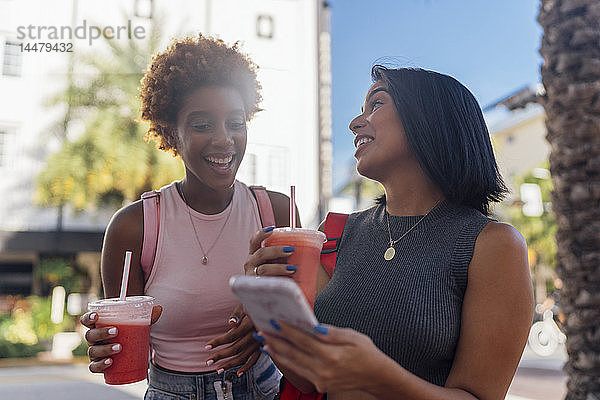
125,277
292,207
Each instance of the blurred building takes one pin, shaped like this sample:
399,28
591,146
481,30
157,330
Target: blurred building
288,142
517,124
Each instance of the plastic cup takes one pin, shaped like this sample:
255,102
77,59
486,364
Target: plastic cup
306,257
131,317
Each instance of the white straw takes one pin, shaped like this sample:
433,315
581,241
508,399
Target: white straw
125,278
293,207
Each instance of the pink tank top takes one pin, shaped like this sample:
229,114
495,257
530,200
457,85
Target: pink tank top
196,298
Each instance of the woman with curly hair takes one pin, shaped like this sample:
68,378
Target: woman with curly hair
197,96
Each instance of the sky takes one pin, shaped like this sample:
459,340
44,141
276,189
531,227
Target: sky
489,46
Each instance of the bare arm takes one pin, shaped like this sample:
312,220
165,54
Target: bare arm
496,316
124,232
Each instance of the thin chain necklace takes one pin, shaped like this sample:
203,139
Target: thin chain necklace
391,252
204,253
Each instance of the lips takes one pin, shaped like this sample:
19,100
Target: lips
220,161
362,139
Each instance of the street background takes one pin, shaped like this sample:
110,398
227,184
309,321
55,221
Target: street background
538,378
49,253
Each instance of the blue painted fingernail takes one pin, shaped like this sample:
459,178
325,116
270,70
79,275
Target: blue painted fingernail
288,249
321,329
291,268
264,351
275,325
269,229
258,338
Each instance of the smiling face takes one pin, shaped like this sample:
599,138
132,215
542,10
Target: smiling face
381,145
211,135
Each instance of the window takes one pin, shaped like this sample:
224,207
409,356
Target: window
143,8
6,142
3,150
265,26
16,278
12,59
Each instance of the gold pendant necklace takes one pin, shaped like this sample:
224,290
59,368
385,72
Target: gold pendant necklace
391,252
204,259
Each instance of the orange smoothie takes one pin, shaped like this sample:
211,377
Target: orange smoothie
308,244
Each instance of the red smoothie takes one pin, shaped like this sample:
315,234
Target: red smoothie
131,316
131,363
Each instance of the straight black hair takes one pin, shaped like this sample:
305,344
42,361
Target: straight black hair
446,133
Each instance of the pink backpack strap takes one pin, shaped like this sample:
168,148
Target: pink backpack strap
150,202
265,208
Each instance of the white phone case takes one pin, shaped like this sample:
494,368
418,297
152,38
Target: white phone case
280,299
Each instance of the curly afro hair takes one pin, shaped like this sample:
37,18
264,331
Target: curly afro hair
185,66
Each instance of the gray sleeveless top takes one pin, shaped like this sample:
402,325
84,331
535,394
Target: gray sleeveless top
411,305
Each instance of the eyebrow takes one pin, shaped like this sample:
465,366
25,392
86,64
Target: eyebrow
379,89
209,113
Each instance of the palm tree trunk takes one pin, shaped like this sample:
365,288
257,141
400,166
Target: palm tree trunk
571,76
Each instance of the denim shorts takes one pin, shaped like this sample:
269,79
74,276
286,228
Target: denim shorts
261,382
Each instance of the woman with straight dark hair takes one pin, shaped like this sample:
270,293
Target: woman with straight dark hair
451,144
430,297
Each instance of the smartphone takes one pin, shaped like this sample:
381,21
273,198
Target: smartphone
273,298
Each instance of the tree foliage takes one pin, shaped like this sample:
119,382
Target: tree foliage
539,232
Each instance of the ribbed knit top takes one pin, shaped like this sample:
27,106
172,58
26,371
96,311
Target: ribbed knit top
411,305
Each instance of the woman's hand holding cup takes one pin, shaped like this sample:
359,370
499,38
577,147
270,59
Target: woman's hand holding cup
99,352
268,261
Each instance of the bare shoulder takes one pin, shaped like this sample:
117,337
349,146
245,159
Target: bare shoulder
502,235
128,221
125,232
500,253
498,237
